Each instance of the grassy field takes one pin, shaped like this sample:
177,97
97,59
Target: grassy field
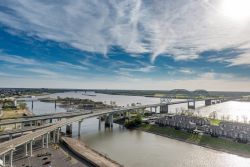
215,122
203,140
13,113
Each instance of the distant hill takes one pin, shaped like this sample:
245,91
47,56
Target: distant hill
183,93
200,92
180,93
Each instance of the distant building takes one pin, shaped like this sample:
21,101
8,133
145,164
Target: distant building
234,130
246,98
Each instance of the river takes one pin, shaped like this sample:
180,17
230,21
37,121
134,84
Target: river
134,148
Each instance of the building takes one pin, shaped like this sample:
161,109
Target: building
234,130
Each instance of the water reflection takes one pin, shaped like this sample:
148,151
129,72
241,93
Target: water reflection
44,108
233,109
140,149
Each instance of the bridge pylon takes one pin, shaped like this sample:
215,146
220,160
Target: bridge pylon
166,101
191,103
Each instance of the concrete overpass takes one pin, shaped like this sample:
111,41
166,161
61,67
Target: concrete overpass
8,147
39,120
42,117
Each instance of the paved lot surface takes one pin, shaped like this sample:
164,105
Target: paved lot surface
58,158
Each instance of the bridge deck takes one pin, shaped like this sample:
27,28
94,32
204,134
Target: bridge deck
42,117
73,114
32,128
12,144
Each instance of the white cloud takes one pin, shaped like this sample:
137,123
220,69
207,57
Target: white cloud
123,82
180,29
5,74
16,59
242,59
216,59
186,71
69,65
145,69
207,75
44,72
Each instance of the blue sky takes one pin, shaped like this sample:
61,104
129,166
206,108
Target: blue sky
131,44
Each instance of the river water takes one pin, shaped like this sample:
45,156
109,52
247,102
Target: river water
140,149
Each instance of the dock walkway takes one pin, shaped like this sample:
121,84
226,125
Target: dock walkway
95,158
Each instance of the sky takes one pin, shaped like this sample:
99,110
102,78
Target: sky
129,44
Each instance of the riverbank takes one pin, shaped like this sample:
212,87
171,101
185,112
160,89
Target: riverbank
88,154
15,113
219,144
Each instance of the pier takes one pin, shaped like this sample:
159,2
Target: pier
93,157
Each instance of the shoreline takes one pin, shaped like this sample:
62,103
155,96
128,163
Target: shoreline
245,155
88,154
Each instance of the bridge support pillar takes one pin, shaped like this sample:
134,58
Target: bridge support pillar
4,160
156,109
32,105
31,145
151,110
164,109
26,149
58,135
191,104
109,121
54,136
42,141
10,136
208,102
213,102
79,127
55,104
69,129
47,140
100,123
11,158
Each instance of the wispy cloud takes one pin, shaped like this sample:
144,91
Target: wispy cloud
6,74
186,71
69,65
42,71
179,29
242,59
145,69
16,59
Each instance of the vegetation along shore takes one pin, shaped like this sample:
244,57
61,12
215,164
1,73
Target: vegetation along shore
219,144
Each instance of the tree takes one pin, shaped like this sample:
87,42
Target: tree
223,117
198,113
213,115
135,122
22,106
244,117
